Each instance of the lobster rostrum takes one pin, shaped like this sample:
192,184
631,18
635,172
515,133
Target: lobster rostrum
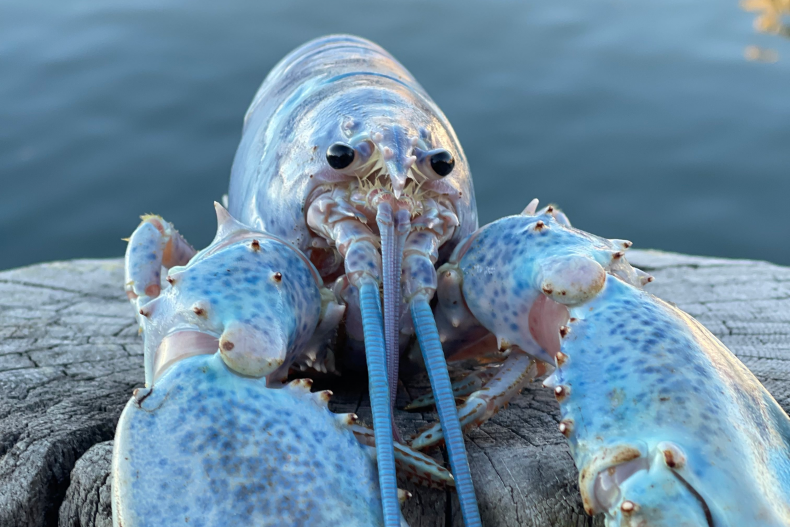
216,424
667,427
346,157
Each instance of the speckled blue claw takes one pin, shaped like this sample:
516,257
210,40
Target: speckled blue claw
249,294
212,448
650,490
675,428
215,438
666,426
153,244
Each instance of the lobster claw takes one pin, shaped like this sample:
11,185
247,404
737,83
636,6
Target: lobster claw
252,297
645,498
208,444
210,422
543,268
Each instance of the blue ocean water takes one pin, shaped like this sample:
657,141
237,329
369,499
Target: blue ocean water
643,120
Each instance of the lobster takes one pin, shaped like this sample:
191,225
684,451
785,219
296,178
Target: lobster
348,174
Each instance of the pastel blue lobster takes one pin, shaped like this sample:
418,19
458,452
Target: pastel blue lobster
347,172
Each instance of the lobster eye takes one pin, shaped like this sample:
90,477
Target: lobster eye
442,162
339,156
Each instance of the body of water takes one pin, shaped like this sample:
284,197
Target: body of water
667,123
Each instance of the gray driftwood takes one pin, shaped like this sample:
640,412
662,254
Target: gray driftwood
70,357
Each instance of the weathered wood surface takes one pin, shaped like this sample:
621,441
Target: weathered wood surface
70,357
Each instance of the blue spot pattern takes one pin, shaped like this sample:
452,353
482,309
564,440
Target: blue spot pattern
641,378
243,282
502,269
639,372
268,289
209,447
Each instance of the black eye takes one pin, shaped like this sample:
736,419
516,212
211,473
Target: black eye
339,156
442,162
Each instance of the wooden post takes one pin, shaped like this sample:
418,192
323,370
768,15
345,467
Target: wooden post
70,357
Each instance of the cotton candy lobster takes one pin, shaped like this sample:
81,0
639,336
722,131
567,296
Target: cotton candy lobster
666,426
349,173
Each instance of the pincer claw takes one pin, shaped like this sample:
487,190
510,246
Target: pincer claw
249,295
215,426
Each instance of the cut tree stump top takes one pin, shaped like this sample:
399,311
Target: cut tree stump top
70,357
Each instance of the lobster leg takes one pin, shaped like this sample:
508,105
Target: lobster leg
412,465
153,244
466,386
517,370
